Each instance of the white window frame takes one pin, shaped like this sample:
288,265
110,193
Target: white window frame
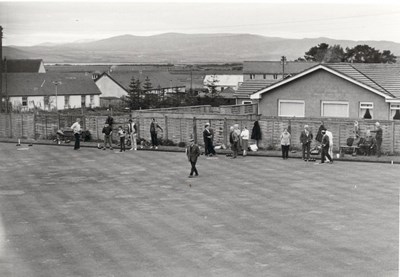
24,101
291,101
394,107
335,102
252,76
364,106
66,101
246,102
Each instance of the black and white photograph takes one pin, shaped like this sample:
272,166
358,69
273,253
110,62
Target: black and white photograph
199,138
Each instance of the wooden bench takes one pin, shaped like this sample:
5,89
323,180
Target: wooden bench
353,149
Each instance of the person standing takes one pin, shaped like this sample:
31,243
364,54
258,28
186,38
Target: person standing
325,148
378,138
244,135
132,131
121,134
107,131
208,144
153,133
256,132
285,143
330,136
319,133
235,140
76,128
193,152
305,139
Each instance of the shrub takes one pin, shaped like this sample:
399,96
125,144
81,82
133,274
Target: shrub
167,142
86,135
182,144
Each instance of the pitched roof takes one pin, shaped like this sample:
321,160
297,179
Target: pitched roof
36,84
381,79
250,86
25,65
228,93
275,67
157,78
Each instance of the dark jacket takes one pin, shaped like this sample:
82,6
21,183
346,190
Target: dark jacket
319,134
256,132
193,152
378,132
304,139
325,141
107,130
154,126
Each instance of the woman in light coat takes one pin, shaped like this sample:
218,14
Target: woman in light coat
285,143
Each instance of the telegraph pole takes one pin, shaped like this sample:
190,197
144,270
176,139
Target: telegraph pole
283,62
1,69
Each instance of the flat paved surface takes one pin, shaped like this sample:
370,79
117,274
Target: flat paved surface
103,213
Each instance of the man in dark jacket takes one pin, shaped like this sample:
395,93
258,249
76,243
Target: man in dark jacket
153,133
107,131
325,147
193,152
305,139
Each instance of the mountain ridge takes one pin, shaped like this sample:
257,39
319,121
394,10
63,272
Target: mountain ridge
183,48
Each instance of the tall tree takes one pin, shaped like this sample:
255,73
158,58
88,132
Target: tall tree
150,98
362,54
325,53
134,98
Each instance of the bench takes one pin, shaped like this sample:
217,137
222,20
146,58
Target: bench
345,149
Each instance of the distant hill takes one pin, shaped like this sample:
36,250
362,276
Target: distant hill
183,48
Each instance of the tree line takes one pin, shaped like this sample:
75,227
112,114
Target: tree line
142,95
324,52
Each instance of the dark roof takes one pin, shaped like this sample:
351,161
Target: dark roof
382,77
157,78
228,93
250,86
39,84
275,67
23,66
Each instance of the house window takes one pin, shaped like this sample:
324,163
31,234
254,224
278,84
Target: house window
334,109
252,76
24,101
264,76
244,102
292,108
395,111
366,110
275,76
83,100
91,100
66,101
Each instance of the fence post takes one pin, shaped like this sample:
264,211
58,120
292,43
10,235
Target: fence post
166,126
45,126
225,131
11,127
195,129
22,125
393,139
97,127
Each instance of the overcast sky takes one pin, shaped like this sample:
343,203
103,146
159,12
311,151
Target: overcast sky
30,23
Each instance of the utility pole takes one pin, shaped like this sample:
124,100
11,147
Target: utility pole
6,87
283,62
1,69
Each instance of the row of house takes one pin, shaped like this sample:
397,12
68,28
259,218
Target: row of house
293,89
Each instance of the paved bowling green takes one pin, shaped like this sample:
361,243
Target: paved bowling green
105,213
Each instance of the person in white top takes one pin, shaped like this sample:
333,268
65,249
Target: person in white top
244,135
76,128
330,136
132,131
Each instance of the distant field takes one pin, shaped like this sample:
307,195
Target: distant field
105,213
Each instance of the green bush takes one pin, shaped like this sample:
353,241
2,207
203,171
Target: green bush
182,144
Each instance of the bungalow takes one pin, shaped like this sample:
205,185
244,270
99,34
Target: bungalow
272,70
369,91
49,91
249,87
116,84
